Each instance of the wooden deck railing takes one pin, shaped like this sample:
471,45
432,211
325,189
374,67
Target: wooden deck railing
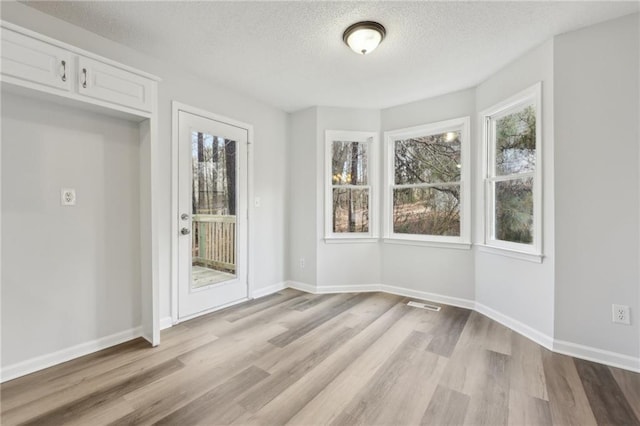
214,241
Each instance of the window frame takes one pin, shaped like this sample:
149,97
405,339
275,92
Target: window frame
533,252
463,241
370,138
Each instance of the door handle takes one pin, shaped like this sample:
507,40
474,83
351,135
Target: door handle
185,231
184,216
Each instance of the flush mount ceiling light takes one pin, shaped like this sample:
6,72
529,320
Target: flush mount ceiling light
363,37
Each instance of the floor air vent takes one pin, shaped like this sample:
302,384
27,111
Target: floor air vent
424,306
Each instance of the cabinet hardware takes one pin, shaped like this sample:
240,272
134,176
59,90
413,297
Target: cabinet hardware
84,83
64,70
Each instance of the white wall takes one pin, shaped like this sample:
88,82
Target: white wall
596,183
270,134
303,211
69,274
519,289
343,263
326,264
448,272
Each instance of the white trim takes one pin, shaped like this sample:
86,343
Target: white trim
265,291
430,297
41,362
372,139
463,125
173,275
175,108
514,254
307,288
515,325
212,310
355,288
350,240
601,356
436,244
384,288
530,96
166,322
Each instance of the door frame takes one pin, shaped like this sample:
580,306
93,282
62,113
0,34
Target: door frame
176,107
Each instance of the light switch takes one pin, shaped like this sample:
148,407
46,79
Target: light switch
257,202
68,196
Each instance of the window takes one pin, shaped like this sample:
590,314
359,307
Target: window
512,173
426,184
350,203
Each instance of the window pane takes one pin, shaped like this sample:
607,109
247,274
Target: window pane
349,163
428,159
427,211
516,142
350,210
514,210
213,207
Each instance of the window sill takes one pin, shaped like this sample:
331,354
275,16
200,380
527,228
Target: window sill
351,240
514,254
436,244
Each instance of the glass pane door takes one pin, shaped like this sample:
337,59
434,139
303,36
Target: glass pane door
213,208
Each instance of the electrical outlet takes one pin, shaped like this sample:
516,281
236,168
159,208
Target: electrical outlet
302,263
621,314
68,197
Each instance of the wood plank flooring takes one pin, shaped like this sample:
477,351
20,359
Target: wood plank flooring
341,359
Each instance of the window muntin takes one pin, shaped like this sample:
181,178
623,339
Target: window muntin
426,180
350,167
512,179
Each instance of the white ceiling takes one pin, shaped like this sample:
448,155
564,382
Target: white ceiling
291,54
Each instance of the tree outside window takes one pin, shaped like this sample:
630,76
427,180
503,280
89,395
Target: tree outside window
349,170
512,173
427,175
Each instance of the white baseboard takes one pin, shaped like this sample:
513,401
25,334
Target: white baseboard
166,322
430,297
307,288
517,326
356,288
265,291
601,356
13,371
366,288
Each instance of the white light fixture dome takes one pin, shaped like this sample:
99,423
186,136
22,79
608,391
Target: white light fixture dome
363,37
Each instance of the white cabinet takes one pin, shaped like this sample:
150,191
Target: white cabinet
108,83
38,62
34,61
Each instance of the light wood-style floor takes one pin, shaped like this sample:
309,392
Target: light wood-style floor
296,358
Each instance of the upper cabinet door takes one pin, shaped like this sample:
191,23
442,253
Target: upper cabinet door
35,61
108,83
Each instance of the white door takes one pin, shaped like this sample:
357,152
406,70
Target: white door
212,209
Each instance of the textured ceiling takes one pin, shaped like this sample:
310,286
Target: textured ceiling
291,54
